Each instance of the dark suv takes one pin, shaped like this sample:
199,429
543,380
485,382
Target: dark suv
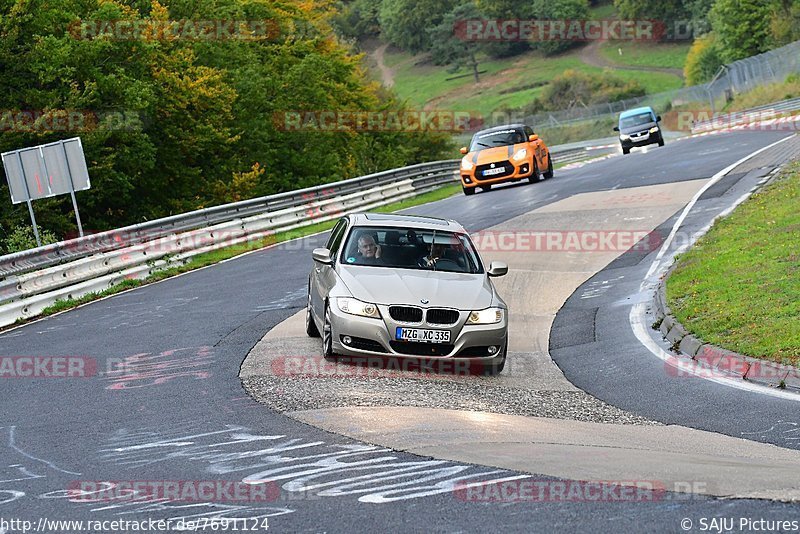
639,127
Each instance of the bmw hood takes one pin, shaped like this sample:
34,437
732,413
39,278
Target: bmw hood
382,285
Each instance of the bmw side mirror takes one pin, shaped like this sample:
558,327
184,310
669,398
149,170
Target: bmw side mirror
658,119
322,255
533,137
463,150
497,268
616,128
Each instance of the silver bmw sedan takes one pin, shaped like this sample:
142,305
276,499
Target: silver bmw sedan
410,287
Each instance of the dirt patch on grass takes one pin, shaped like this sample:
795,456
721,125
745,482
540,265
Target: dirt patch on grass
472,89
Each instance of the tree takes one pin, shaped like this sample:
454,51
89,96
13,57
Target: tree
561,10
576,88
406,23
198,112
703,60
785,22
448,48
663,10
504,10
359,19
742,27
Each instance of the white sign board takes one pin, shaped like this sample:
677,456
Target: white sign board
46,170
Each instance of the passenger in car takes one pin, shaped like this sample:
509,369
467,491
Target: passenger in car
369,252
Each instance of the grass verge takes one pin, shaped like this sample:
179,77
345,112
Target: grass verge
739,287
644,54
216,256
767,94
507,84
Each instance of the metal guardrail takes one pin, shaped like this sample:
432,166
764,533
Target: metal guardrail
74,249
28,294
36,278
756,114
792,104
580,154
42,257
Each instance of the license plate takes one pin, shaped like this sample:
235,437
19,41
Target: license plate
426,336
498,170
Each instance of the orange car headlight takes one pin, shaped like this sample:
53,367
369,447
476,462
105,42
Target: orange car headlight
520,155
466,164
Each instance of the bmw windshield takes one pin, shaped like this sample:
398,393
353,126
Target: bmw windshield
408,248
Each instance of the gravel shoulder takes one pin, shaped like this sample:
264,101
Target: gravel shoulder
297,378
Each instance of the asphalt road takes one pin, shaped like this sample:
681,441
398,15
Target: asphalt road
179,412
604,358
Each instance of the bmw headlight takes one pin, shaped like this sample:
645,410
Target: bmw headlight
654,129
520,155
357,307
624,137
487,316
466,164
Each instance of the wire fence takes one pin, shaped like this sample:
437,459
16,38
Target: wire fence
738,77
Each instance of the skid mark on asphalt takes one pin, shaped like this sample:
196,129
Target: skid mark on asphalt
288,301
25,476
143,316
789,429
598,288
18,466
315,469
147,369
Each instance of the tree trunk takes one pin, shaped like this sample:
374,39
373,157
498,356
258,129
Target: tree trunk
474,67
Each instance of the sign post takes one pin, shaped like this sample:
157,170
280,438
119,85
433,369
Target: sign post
72,190
28,201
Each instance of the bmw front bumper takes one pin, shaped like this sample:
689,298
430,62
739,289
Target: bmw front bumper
376,337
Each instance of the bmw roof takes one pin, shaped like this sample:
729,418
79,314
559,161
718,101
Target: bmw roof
405,221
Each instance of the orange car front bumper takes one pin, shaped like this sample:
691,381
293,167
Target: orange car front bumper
512,171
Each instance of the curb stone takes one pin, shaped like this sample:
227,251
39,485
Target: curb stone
690,345
722,362
676,333
667,323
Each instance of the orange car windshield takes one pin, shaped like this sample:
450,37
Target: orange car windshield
499,138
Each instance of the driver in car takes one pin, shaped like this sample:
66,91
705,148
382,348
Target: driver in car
437,251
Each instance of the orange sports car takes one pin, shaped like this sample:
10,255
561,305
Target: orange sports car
504,154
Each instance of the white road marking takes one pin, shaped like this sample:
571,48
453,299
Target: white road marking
716,151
